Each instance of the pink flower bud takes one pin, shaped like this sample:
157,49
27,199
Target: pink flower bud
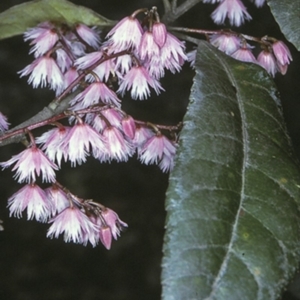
282,53
159,32
129,127
105,237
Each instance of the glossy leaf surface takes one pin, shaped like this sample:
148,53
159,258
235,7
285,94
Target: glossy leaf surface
233,223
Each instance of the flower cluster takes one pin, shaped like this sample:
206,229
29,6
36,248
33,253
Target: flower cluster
275,56
96,74
69,59
81,221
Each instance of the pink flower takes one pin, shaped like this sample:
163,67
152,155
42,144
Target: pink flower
234,10
58,198
148,46
244,54
138,80
75,225
117,147
123,63
159,32
63,60
112,118
225,42
171,57
113,221
282,52
43,37
69,77
78,142
90,36
88,60
267,61
32,197
158,149
142,134
259,3
95,92
103,70
125,35
32,162
3,122
52,143
44,71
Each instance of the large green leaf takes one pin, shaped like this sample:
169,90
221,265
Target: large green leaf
17,19
287,15
233,222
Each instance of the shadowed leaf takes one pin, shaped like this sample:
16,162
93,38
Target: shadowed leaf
17,19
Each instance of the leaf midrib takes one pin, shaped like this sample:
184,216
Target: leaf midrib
223,267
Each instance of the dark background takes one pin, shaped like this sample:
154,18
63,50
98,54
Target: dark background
33,267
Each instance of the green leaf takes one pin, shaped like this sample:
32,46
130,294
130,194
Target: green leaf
233,220
17,19
287,15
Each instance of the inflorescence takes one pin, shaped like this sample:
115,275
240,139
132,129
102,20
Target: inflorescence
132,59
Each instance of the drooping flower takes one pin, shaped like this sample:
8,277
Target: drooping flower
52,143
138,81
69,77
244,54
63,60
3,122
123,63
44,71
113,221
58,198
171,57
158,150
234,10
44,37
79,141
267,60
89,35
125,35
31,163
75,226
225,42
32,197
94,93
88,60
117,147
148,47
142,134
282,52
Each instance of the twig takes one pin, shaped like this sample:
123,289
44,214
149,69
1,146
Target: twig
174,5
167,6
171,16
10,137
